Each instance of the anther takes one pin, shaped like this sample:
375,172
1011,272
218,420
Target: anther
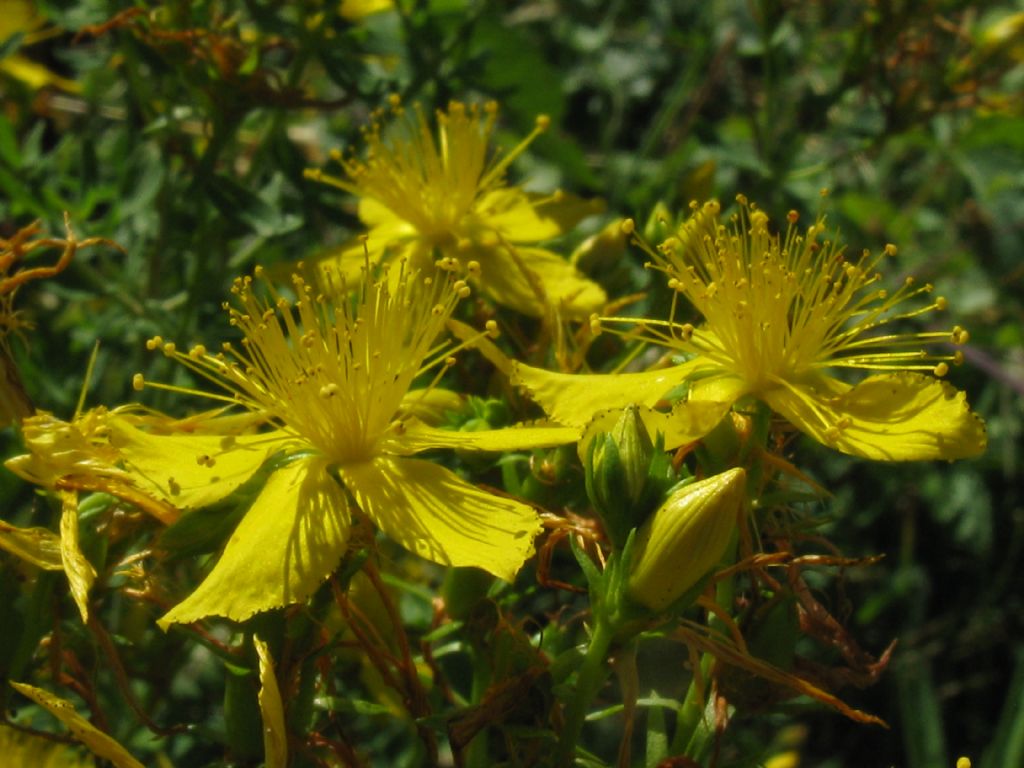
491,326
627,226
153,343
940,370
329,390
138,382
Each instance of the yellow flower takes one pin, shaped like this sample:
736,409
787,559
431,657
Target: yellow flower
419,194
334,380
780,315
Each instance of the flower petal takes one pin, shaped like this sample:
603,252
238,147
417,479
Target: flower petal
289,541
523,217
348,260
81,575
418,436
707,402
530,280
38,546
275,737
169,464
432,512
374,214
97,742
573,399
890,417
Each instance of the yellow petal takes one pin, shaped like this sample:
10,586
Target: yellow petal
708,401
573,399
523,217
275,739
531,279
170,464
890,417
79,570
99,743
289,541
417,437
349,259
378,217
432,512
34,545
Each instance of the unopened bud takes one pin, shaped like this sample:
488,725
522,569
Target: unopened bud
618,464
685,538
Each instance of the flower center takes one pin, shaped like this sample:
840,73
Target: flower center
781,308
332,371
431,183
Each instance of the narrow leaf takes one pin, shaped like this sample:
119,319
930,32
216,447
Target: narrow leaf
99,743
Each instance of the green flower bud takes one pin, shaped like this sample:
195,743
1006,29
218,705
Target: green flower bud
624,473
685,538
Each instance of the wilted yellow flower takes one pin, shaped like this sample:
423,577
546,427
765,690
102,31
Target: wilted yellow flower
420,195
780,315
68,458
334,380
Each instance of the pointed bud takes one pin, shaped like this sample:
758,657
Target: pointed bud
685,538
621,468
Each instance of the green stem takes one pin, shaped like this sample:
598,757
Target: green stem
689,738
591,676
476,754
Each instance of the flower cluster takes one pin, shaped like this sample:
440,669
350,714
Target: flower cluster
336,436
